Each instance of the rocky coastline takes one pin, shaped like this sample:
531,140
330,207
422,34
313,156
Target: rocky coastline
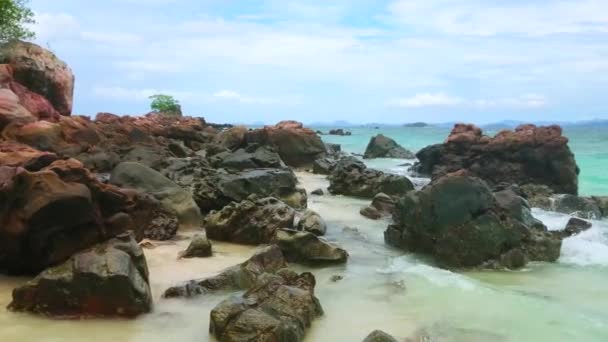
80,197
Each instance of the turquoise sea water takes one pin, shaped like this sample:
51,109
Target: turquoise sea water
589,144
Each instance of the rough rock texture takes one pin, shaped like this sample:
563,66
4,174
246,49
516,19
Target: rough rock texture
527,155
351,177
323,166
199,247
140,177
50,209
232,138
268,259
280,309
379,336
583,207
575,226
305,247
297,146
370,213
40,71
381,146
384,203
459,221
110,279
252,157
253,221
213,189
312,222
25,105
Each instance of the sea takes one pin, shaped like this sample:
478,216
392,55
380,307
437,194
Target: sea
404,294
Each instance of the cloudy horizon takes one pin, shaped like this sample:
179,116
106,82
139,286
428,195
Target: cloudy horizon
360,61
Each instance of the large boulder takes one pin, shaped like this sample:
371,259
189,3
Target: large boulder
172,196
252,221
527,155
110,279
584,207
280,309
31,105
297,146
266,260
305,247
199,247
232,138
459,221
381,146
352,178
40,71
312,222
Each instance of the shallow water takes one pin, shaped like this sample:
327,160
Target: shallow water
382,288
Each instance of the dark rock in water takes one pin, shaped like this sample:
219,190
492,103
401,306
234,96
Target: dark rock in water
384,203
336,278
199,247
253,221
312,222
305,247
381,146
584,207
379,336
244,276
172,196
159,223
574,227
602,203
340,132
110,279
280,309
323,166
459,221
371,213
318,192
297,146
417,124
527,155
352,178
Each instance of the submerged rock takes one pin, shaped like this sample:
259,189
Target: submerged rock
312,222
110,279
199,247
379,336
459,221
352,178
381,146
371,213
253,221
140,177
305,247
280,309
527,155
239,277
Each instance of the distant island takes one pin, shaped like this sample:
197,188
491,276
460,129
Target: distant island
416,124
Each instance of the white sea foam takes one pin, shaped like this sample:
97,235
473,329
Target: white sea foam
437,276
589,248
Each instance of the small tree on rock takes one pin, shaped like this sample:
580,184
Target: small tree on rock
14,16
165,104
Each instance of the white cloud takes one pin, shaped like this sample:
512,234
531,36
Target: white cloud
134,94
442,99
426,100
509,17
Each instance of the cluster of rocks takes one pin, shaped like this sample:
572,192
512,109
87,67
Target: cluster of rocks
77,195
527,155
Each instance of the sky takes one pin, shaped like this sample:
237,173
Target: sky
393,61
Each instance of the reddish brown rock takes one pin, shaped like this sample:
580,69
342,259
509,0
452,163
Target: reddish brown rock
526,155
41,72
297,146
